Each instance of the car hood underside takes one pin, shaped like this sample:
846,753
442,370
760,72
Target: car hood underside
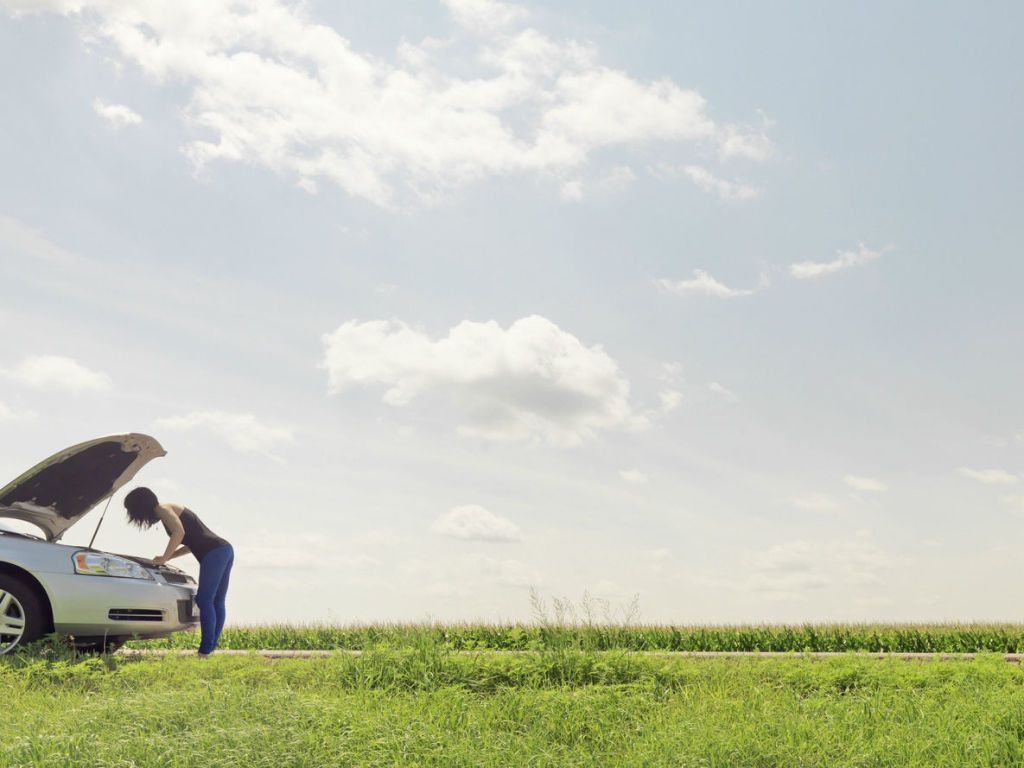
59,491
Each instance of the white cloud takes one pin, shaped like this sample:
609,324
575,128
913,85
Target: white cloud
533,380
19,7
8,414
571,191
30,245
671,396
473,522
788,570
846,259
633,476
298,551
510,573
704,284
815,502
736,142
63,374
299,558
270,87
731,191
670,399
484,15
463,576
671,373
117,115
988,476
864,483
242,431
718,389
617,179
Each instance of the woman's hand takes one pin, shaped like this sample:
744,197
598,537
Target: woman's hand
159,560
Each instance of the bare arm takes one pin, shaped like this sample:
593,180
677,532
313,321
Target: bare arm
176,531
181,551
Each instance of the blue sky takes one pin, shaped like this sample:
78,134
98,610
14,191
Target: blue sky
432,302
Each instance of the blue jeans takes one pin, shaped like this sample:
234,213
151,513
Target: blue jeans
214,571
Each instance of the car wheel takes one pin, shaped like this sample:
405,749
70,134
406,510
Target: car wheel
22,618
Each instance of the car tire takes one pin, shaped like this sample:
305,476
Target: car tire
24,605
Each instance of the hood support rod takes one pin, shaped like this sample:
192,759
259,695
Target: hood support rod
101,520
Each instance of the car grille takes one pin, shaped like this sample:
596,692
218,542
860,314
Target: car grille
176,578
185,612
135,614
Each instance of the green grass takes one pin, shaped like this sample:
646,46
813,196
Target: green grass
927,638
422,705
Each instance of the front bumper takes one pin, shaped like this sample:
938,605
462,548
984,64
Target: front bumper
110,606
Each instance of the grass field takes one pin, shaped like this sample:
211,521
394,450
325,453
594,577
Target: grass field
910,638
416,703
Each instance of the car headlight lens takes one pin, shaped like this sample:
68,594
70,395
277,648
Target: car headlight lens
99,564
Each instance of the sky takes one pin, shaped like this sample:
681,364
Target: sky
692,313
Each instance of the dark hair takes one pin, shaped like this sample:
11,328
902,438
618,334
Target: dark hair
141,505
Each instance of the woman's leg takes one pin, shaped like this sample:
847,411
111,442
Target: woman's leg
219,598
211,568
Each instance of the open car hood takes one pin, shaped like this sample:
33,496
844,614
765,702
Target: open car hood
59,491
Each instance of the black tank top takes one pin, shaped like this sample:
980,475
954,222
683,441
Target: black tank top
198,537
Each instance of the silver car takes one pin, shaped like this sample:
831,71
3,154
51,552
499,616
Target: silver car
99,598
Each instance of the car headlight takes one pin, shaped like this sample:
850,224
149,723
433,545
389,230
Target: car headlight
99,564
